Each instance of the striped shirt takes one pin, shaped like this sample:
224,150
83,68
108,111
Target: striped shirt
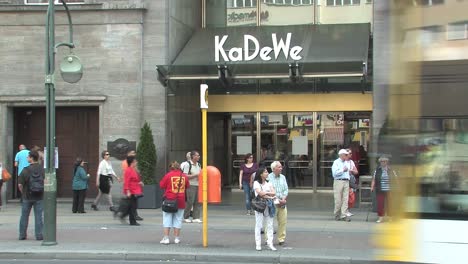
385,181
280,185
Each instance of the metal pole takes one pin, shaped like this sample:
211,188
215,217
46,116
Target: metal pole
205,178
50,183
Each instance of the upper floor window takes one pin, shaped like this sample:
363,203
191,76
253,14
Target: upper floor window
456,31
343,2
241,3
428,2
289,2
57,2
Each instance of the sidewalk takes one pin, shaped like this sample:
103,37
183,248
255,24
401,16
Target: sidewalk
313,236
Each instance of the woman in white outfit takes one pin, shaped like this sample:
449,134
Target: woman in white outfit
104,179
265,189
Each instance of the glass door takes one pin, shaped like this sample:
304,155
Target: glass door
330,140
289,138
243,129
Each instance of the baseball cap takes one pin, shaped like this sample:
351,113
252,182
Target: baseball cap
343,151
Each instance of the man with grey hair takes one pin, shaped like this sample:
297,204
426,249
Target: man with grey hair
280,184
340,171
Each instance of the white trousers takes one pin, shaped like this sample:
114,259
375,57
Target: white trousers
259,218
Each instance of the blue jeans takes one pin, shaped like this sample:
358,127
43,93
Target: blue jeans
247,189
26,206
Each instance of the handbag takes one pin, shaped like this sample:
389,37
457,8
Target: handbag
351,198
171,206
258,203
6,176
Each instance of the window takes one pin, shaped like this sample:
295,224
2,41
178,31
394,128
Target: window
428,2
57,2
241,3
289,2
343,2
456,31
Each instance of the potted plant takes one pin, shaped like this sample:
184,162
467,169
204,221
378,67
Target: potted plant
146,155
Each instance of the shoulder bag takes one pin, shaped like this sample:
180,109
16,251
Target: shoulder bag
6,176
171,206
259,203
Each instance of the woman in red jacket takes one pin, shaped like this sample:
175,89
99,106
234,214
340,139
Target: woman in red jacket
174,183
132,189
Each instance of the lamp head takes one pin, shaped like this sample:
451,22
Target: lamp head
71,69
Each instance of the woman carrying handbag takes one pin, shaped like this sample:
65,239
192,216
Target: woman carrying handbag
174,184
265,190
132,189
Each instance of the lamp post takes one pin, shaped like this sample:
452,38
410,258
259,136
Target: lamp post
50,182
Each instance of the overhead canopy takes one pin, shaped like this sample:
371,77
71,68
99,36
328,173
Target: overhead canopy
273,52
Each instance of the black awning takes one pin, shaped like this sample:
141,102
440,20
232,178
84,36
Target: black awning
313,51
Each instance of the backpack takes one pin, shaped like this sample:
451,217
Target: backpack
36,183
190,166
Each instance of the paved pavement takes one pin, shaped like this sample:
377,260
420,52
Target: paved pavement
313,236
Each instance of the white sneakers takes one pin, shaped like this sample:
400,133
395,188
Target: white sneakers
164,241
192,221
258,247
349,214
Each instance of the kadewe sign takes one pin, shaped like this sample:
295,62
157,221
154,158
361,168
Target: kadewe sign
252,49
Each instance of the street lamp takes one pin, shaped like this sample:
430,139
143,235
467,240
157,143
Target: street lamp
74,74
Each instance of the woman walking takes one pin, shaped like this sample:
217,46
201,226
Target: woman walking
174,184
265,190
79,186
104,179
383,176
245,179
132,189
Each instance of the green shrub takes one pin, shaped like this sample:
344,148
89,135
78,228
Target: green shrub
146,155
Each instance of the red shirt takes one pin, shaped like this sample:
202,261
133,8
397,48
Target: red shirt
170,183
132,182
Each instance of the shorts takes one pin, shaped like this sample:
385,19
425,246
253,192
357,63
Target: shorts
173,220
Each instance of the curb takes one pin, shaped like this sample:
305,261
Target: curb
254,257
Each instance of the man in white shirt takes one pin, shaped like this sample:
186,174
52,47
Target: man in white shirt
340,171
192,169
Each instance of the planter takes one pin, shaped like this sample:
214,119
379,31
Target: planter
152,197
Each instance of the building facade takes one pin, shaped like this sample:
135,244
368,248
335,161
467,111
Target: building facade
301,89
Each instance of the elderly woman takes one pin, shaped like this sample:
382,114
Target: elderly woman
79,186
381,185
174,183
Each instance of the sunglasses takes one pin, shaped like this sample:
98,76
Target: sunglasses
107,154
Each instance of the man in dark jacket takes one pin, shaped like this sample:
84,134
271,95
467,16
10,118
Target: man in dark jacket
31,185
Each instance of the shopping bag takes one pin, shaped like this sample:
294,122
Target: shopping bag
351,198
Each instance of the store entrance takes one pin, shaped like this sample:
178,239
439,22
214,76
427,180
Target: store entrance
306,143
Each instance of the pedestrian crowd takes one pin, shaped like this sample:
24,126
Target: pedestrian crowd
265,192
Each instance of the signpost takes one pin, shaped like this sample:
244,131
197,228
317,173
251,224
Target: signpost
204,108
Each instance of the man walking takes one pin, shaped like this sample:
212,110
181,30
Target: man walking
280,184
21,158
340,171
31,185
192,169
